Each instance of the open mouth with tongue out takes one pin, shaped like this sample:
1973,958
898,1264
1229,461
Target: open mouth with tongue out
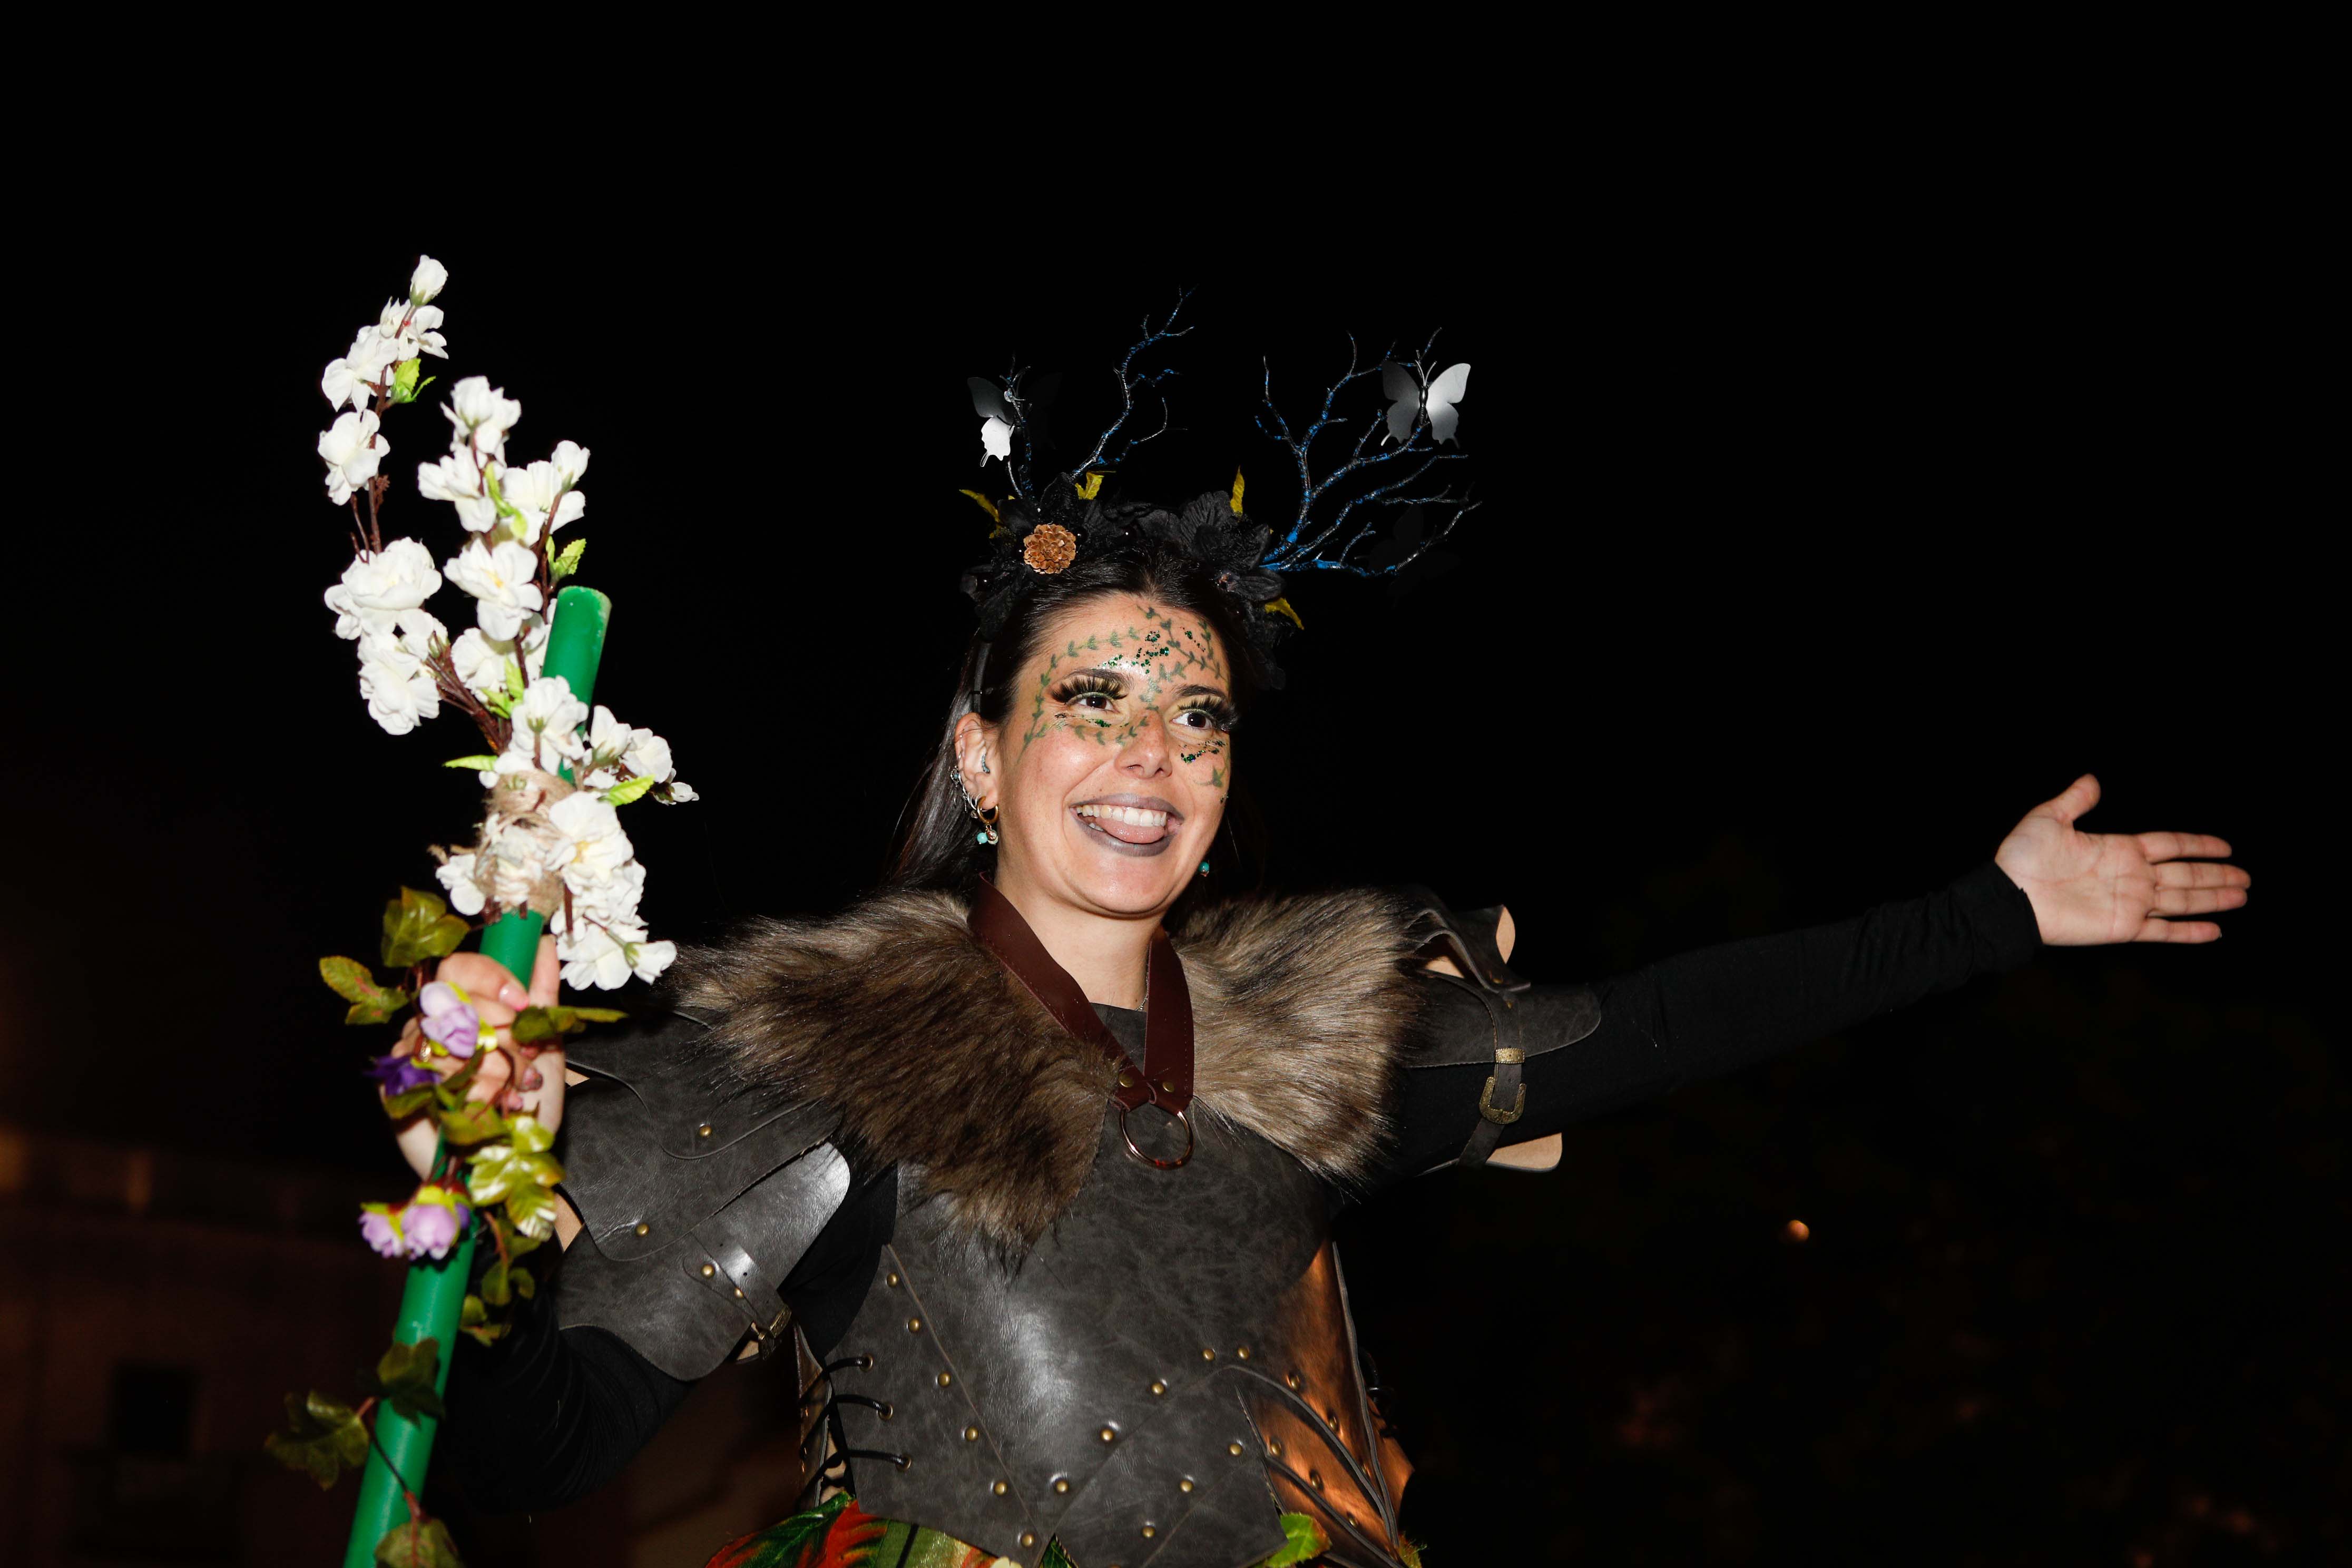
1129,823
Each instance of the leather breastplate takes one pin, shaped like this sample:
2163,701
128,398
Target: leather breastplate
1169,1370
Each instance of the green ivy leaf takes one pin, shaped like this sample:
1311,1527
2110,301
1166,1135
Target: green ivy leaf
535,1024
480,763
419,1543
567,563
474,1320
628,789
531,1210
1303,1541
519,1173
418,926
322,1437
403,1377
400,1106
467,1124
355,982
524,1285
495,1289
515,1242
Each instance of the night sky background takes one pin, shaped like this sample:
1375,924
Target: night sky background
1830,525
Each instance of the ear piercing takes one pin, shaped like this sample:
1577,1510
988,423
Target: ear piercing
984,815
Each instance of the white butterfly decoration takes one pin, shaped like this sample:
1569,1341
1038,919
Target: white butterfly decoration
1412,398
1000,416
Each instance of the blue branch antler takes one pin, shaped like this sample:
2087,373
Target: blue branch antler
1129,384
1308,543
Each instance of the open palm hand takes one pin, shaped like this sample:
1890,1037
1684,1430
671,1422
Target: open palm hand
2088,889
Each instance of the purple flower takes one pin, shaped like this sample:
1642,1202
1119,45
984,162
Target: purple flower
380,1228
450,1021
432,1228
398,1075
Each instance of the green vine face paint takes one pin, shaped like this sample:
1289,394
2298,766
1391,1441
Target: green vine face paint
1116,757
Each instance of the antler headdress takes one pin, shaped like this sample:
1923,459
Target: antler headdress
1040,529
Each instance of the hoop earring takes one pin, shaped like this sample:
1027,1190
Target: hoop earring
986,817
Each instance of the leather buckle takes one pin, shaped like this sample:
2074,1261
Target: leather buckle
1487,1109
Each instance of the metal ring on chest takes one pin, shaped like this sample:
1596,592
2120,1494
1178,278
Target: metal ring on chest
1158,1164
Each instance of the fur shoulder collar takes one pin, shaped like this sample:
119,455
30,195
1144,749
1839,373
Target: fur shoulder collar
937,1060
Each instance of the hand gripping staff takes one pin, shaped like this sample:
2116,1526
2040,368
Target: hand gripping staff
435,1293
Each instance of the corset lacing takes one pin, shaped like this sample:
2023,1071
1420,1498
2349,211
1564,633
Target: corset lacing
829,1420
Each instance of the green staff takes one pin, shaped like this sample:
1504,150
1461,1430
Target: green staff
435,1296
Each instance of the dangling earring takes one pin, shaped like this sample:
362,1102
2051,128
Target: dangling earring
1205,867
985,817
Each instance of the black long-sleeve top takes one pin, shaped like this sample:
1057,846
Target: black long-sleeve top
548,1416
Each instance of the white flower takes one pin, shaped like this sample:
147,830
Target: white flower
397,685
457,876
409,330
457,479
680,792
611,900
547,721
501,581
380,584
351,450
571,460
605,958
429,278
537,491
590,957
481,416
648,757
347,379
482,662
608,738
593,846
514,867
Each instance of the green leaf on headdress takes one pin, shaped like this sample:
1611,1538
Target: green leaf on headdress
1091,488
1282,607
1237,490
987,506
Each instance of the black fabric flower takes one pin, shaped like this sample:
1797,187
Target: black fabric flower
1226,542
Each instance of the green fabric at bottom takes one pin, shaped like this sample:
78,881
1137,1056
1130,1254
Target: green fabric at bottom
839,1534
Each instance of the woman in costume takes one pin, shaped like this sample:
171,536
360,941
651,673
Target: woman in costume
1032,1172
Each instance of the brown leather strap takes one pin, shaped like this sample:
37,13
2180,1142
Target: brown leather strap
1165,1079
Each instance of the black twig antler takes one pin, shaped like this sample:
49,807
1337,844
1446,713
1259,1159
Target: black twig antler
1308,543
1129,384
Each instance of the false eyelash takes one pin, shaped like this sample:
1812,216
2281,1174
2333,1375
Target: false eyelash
1076,684
1223,714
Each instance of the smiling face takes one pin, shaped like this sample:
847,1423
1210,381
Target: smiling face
1111,769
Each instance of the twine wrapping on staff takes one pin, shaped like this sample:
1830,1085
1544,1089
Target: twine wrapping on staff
518,860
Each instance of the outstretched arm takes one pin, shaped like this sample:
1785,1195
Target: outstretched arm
1710,1012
